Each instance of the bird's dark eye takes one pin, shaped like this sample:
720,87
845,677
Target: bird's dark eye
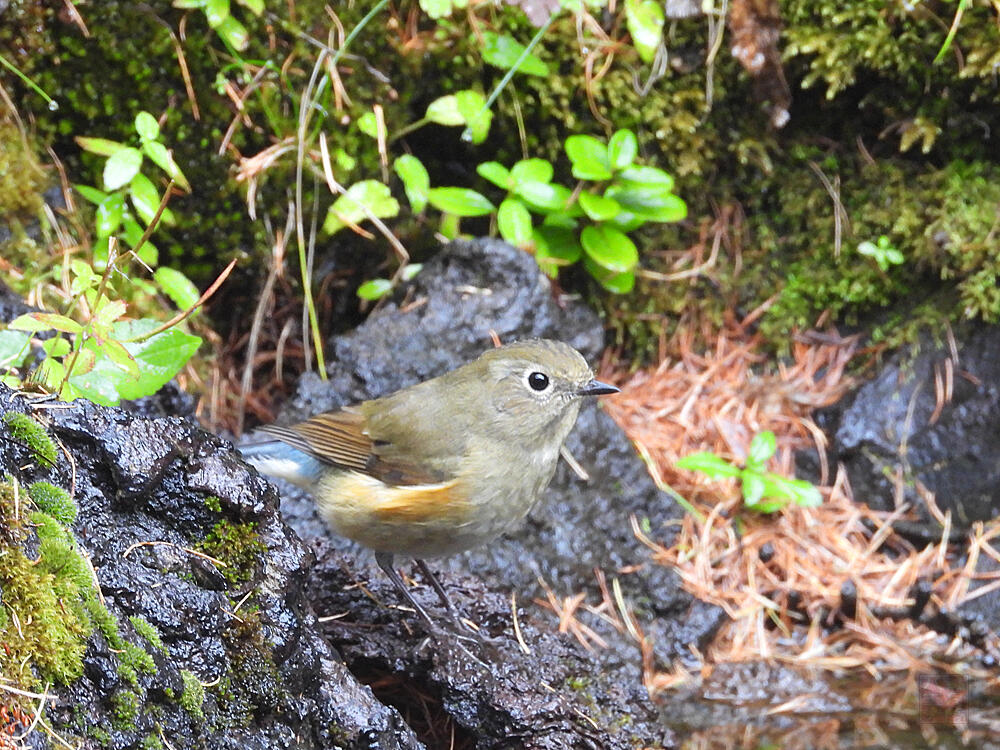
538,381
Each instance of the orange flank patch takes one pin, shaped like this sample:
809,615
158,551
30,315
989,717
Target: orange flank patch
421,503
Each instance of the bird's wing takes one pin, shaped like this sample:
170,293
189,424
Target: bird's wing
341,438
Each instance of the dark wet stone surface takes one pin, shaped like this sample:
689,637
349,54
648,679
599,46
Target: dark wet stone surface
274,681
888,429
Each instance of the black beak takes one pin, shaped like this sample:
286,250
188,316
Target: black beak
597,388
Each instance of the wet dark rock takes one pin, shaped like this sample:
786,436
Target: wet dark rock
891,427
145,491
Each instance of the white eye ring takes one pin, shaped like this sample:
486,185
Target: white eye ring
537,381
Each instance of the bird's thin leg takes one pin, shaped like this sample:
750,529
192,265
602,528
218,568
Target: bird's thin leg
384,560
438,589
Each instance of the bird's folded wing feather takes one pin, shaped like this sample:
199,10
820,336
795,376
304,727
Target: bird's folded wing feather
341,438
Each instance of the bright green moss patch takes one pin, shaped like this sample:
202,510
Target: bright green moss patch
45,626
238,546
213,504
55,501
193,695
147,631
27,431
124,709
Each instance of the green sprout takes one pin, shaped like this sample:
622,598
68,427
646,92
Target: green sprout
882,252
763,491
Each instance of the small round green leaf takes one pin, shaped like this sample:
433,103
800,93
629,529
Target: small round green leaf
514,222
121,167
532,170
233,33
622,149
444,111
599,208
543,196
589,157
753,488
496,173
460,201
99,146
361,199
650,176
609,248
619,283
472,106
762,447
216,11
368,124
147,127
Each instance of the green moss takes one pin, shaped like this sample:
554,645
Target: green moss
55,501
148,631
22,179
27,431
151,742
238,546
213,504
124,709
45,626
193,697
101,736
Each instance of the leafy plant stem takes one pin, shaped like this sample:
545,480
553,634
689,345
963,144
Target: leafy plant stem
467,133
188,312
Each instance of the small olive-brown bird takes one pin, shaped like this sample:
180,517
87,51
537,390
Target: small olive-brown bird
442,466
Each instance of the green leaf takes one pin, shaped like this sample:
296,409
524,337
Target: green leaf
753,487
159,357
416,181
57,346
349,208
589,157
146,200
254,6
234,33
436,8
14,348
599,208
444,111
108,216
622,149
472,106
804,493
710,465
216,11
544,197
368,124
644,19
532,170
762,447
609,248
108,313
619,283
147,127
91,194
162,158
496,173
460,201
556,246
412,270
652,176
148,253
648,202
99,146
40,321
514,223
177,286
121,167
119,355
374,289
503,51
